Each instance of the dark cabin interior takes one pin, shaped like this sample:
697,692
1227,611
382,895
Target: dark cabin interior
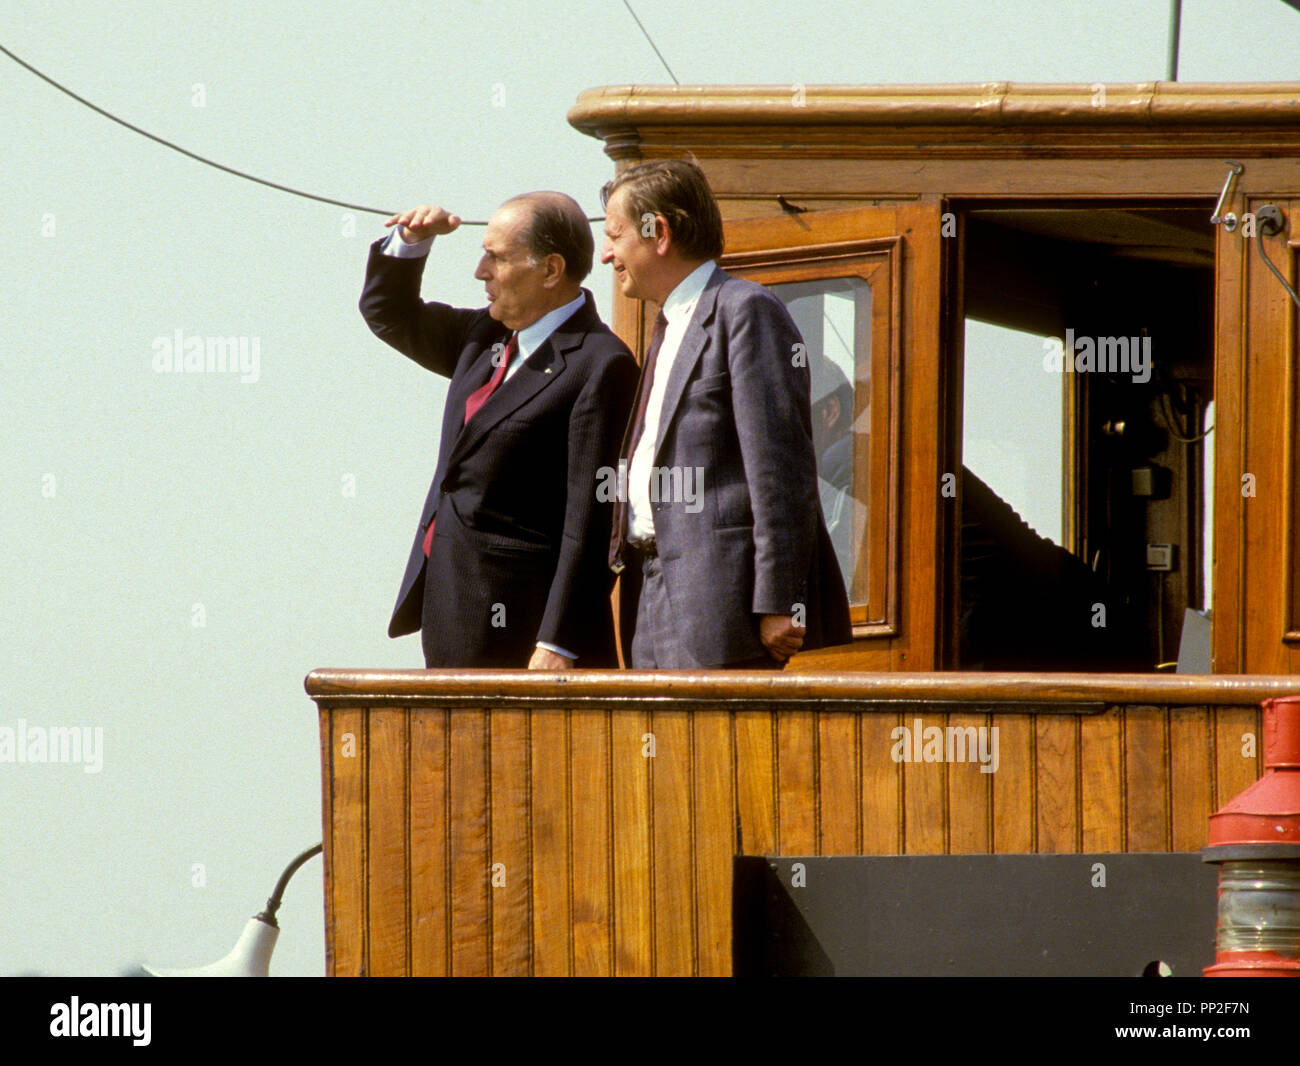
1135,455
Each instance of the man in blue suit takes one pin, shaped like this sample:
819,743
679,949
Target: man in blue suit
509,564
721,544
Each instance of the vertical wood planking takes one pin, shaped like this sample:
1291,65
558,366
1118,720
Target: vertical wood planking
1057,784
673,845
430,890
1233,770
511,902
968,792
839,784
1014,822
1285,656
715,841
796,779
755,782
386,869
326,723
1100,777
923,401
1146,779
348,855
633,907
882,780
1191,774
552,918
1267,436
1231,296
925,786
468,862
592,891
619,863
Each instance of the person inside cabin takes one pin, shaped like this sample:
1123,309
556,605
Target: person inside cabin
832,423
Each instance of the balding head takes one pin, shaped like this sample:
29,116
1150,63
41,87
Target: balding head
557,226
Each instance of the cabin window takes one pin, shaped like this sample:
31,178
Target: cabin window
833,316
845,306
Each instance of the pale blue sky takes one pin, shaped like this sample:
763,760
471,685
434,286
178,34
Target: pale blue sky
172,491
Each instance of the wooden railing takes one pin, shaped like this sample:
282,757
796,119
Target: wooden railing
585,823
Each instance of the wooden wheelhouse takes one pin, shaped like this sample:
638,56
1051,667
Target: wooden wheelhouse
945,250
903,215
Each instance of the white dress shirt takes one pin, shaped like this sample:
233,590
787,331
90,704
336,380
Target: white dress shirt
678,309
529,339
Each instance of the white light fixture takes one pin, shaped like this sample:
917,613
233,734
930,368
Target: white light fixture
251,955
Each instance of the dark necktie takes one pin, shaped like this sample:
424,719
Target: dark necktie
476,400
637,427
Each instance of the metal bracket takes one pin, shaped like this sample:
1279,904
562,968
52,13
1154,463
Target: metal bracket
1229,220
1270,220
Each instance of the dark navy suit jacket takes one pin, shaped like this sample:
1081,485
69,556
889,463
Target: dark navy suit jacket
520,546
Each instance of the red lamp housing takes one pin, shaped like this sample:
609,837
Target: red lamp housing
1255,839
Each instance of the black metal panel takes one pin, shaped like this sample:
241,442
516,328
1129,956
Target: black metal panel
973,915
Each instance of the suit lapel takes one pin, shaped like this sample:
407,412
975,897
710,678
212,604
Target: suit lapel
694,341
538,371
463,386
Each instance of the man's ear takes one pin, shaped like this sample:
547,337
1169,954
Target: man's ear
833,411
663,235
554,267
655,228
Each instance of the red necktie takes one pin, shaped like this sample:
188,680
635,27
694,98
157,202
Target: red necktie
638,427
479,396
476,400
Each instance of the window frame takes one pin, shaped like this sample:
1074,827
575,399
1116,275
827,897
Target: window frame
877,261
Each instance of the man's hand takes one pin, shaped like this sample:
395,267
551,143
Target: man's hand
545,659
780,636
421,223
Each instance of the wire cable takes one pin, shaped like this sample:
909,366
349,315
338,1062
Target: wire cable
212,162
1259,245
1174,426
646,33
194,155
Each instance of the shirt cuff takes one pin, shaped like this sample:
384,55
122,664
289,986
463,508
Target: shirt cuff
400,249
552,647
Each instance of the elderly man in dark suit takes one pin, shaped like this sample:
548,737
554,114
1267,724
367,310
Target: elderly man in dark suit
509,564
721,543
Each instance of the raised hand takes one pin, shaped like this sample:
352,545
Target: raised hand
420,223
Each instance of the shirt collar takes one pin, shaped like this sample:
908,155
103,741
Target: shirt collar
682,299
533,337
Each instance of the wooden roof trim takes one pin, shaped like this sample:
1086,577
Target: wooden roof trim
603,111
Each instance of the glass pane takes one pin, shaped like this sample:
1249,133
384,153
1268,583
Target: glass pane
834,317
1013,422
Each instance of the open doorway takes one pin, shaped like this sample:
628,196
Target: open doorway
1087,381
